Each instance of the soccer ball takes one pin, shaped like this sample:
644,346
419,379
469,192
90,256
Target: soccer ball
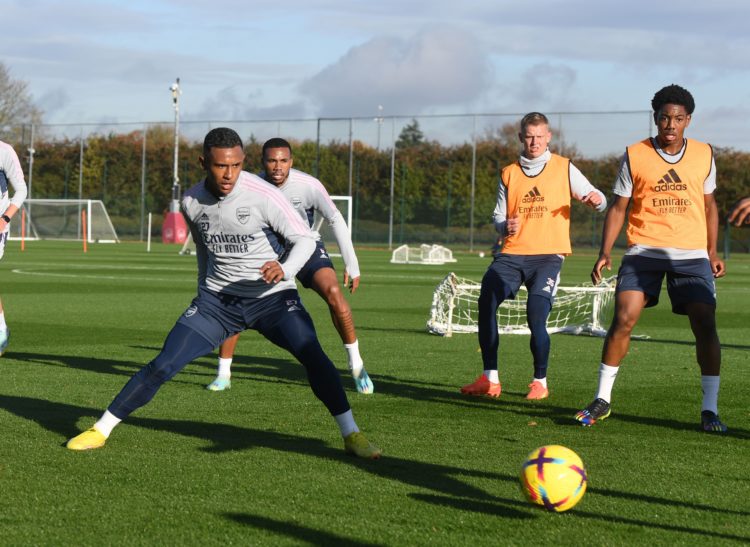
554,477
481,254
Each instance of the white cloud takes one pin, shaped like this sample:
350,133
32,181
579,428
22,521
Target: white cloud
436,67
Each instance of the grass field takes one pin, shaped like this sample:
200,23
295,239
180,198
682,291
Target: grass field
263,464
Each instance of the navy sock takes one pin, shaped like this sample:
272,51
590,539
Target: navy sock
537,311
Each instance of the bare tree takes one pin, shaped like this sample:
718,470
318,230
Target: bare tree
16,105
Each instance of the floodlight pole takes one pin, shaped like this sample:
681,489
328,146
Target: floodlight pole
176,92
379,121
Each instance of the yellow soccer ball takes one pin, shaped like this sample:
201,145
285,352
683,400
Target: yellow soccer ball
554,478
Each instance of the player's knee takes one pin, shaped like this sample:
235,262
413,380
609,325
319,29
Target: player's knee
335,299
704,327
623,323
159,370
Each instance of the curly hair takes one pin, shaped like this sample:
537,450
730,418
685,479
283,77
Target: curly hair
221,137
276,142
673,94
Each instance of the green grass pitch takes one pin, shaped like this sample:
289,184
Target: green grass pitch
263,464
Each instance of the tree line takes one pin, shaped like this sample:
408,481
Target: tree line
431,182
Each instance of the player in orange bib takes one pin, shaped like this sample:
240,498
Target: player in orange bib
532,216
672,229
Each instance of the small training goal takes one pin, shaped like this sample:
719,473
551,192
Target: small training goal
63,219
581,309
424,254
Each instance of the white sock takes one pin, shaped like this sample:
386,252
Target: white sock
710,386
107,423
355,359
3,326
492,376
542,381
225,364
346,423
607,376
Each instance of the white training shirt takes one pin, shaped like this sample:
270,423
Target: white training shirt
236,234
11,172
624,187
307,195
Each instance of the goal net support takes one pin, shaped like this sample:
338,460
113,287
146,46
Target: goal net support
582,309
424,254
62,219
344,205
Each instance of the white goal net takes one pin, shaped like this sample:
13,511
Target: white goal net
344,205
424,254
63,219
583,309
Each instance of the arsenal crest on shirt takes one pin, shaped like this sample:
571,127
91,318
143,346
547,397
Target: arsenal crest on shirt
243,214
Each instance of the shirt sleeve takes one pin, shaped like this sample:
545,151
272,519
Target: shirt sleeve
710,183
344,239
323,204
500,214
624,182
284,220
14,173
201,253
581,187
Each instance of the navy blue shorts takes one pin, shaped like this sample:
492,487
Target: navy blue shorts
3,241
539,273
318,261
688,281
217,316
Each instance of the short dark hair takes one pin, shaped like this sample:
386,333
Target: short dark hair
533,118
221,137
276,142
673,94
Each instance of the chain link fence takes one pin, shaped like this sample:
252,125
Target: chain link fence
413,179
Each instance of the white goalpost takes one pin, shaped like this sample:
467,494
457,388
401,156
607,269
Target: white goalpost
344,205
64,219
424,254
582,309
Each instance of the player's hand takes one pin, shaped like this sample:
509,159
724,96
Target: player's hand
512,225
351,283
272,272
741,213
603,262
717,266
592,199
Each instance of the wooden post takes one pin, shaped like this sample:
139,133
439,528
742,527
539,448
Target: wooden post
85,232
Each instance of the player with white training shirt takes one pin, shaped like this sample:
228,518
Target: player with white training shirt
10,172
308,196
236,220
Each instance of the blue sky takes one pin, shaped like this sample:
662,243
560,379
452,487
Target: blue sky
113,61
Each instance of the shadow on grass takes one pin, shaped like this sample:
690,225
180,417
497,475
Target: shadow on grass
283,371
690,343
495,508
304,534
62,419
255,367
444,481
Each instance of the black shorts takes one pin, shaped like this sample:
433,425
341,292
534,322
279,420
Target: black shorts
688,280
217,316
539,273
318,261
